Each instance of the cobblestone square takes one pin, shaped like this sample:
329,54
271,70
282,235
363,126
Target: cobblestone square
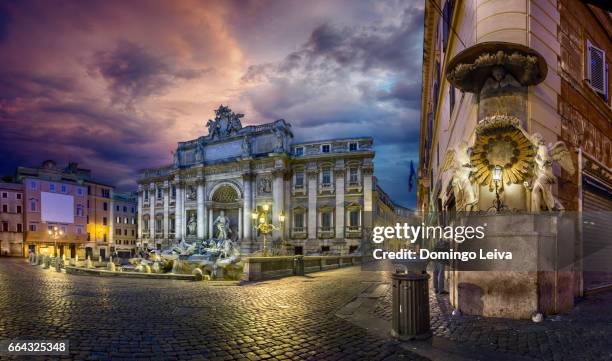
134,319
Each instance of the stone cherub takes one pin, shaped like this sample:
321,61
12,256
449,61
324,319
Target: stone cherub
543,179
458,160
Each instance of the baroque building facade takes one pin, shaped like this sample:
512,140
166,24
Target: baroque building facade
321,190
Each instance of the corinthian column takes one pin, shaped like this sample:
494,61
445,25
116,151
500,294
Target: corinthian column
165,224
278,198
248,200
152,198
312,202
178,212
140,214
201,210
339,175
367,195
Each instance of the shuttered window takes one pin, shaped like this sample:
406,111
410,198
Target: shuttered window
597,69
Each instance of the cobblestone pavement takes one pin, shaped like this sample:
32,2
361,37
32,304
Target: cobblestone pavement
584,334
105,318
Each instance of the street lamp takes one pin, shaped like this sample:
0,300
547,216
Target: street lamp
261,223
497,178
281,219
55,234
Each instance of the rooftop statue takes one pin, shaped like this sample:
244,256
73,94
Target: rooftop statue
226,123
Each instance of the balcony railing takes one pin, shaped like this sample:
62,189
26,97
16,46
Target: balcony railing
299,232
353,231
353,186
326,188
326,232
299,189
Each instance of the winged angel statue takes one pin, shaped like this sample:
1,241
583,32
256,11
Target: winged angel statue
541,193
458,160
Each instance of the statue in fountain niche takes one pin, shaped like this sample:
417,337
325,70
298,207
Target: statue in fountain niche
541,188
222,225
192,225
459,161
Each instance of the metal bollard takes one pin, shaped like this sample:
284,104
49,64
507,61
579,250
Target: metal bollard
410,306
298,265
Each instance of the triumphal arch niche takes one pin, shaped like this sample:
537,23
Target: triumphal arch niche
218,181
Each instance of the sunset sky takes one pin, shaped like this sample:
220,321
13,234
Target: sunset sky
114,85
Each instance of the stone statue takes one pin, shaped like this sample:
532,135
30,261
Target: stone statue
246,146
459,161
541,188
192,225
279,140
500,81
225,123
213,128
191,193
265,185
222,224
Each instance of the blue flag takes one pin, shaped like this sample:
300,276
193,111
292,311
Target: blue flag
411,177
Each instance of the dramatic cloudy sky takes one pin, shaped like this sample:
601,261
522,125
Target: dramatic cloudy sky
114,85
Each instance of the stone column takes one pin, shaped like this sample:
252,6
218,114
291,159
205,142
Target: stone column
165,223
367,196
312,202
140,214
247,205
201,210
152,198
184,212
178,212
278,199
210,223
339,175
239,223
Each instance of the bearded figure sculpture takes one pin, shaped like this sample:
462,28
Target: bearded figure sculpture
542,197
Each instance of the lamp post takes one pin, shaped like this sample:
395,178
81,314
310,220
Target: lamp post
260,218
55,234
281,219
497,177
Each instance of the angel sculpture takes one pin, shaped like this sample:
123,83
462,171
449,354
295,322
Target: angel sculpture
541,192
459,161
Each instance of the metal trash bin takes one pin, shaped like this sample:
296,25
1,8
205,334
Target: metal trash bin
298,265
410,306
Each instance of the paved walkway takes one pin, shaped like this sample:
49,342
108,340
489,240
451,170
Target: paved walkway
584,334
104,318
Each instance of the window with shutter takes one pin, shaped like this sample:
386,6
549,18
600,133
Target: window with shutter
597,69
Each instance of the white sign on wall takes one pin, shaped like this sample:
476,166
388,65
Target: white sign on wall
57,208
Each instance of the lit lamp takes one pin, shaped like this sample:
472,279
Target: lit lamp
260,220
281,219
55,234
497,178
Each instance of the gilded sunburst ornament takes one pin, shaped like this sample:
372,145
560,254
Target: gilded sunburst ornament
507,147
